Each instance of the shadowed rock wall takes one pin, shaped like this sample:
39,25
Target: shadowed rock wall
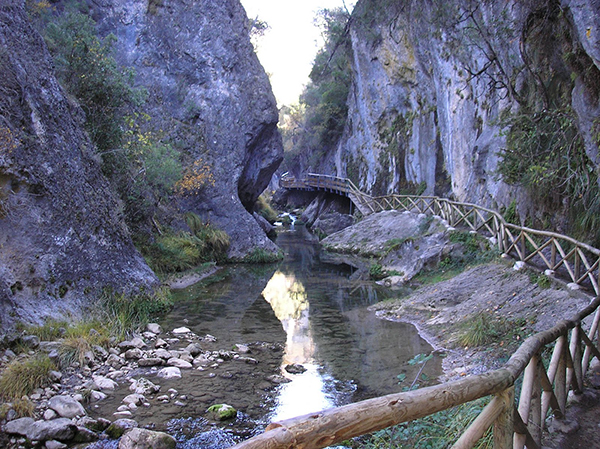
62,236
208,91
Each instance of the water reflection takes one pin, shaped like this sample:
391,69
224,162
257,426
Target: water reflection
288,300
351,355
315,312
305,393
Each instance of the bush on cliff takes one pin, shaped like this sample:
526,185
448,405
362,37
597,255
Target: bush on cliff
179,251
142,165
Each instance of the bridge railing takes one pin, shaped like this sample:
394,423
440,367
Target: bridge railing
558,253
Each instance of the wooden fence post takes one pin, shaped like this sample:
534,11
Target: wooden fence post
576,356
504,425
576,266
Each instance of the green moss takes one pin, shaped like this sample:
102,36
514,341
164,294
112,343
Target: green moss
222,412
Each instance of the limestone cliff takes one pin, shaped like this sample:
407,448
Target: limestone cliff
62,237
434,80
209,92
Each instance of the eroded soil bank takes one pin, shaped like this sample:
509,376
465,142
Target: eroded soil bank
502,294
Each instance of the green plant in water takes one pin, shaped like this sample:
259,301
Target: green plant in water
21,377
260,256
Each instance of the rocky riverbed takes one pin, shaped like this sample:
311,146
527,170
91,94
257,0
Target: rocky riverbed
140,387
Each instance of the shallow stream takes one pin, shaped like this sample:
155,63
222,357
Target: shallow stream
300,311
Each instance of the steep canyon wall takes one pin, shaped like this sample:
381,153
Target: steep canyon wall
435,81
208,91
62,235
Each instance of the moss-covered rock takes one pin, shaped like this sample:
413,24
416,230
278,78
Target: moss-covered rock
221,412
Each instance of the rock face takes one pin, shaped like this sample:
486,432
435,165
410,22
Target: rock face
207,88
62,235
403,244
432,80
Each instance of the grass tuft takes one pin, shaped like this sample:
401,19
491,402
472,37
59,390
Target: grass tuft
21,377
24,407
126,314
259,255
484,328
176,252
51,330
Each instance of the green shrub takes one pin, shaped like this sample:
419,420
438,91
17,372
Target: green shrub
316,124
545,153
377,272
21,377
86,67
260,256
125,314
265,209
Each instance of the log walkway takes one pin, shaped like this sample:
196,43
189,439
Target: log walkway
517,418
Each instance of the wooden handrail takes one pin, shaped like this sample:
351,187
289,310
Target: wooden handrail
510,238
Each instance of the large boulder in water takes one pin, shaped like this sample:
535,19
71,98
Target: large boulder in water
139,438
402,243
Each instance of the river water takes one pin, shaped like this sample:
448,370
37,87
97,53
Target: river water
300,311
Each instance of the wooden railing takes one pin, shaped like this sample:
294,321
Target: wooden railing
576,261
544,385
562,255
313,181
335,184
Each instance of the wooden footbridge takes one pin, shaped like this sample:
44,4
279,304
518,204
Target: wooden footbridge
517,419
332,184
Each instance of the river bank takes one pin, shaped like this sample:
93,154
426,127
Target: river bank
300,312
510,303
230,343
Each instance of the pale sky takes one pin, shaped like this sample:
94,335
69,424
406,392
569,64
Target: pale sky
288,48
